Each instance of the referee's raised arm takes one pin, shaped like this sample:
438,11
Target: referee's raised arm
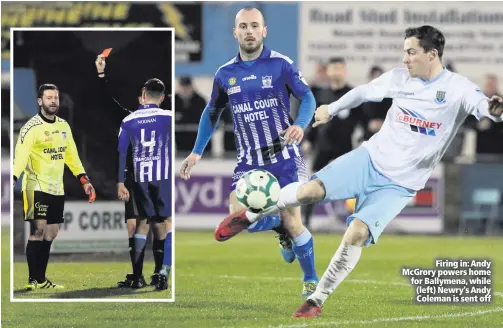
104,87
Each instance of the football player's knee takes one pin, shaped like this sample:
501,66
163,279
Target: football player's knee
50,235
311,192
357,233
38,232
142,227
51,231
131,227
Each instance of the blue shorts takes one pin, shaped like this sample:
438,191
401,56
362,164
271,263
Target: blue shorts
153,199
286,171
379,200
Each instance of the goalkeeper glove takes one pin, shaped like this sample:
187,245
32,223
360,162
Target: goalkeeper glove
88,187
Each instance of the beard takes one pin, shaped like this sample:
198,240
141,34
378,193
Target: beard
50,109
250,49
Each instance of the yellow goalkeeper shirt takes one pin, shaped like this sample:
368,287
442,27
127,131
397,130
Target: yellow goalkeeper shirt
42,150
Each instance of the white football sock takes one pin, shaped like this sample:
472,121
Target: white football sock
344,260
287,198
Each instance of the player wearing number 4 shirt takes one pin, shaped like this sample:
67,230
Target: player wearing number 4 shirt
44,146
161,239
429,105
148,130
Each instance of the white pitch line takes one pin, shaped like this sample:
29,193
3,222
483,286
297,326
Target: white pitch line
357,281
361,322
398,319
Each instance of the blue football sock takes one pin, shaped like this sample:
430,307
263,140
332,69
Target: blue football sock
264,224
139,252
304,251
167,250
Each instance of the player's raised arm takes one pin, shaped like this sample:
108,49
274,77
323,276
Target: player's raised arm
22,151
475,103
72,160
302,92
374,91
207,125
105,88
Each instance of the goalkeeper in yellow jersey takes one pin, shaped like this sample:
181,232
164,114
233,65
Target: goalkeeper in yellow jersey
44,146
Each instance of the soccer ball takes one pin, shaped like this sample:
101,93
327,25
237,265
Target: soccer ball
258,190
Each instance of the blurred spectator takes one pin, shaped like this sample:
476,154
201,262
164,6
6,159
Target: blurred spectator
189,106
375,112
456,147
450,66
489,134
320,79
333,139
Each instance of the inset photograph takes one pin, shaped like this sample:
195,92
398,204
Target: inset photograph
92,174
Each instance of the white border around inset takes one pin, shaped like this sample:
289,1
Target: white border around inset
12,144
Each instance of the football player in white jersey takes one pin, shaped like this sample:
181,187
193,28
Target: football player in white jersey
384,173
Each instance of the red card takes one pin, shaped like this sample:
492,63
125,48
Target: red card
106,52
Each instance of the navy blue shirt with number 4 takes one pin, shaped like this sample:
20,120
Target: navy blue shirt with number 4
148,130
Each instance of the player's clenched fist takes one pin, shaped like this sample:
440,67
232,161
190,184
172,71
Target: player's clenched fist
496,106
188,164
321,116
100,64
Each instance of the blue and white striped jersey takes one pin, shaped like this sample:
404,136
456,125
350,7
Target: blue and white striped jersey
258,96
148,130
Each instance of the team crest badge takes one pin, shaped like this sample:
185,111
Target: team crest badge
232,81
440,97
64,134
266,81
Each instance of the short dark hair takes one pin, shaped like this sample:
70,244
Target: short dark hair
44,87
337,60
429,38
186,81
376,69
154,88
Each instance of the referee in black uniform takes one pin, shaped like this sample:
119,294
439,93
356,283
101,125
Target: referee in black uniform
131,212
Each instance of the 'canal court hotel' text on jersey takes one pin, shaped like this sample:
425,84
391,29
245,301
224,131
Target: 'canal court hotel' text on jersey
42,150
258,97
149,131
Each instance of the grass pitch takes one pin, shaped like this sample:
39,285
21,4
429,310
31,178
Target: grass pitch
244,283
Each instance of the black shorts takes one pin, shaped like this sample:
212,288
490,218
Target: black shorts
131,211
153,199
41,205
131,208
